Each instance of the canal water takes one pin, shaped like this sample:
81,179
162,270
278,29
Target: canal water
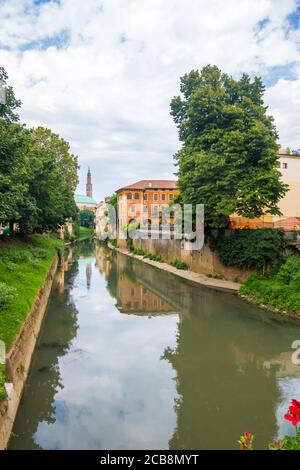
130,357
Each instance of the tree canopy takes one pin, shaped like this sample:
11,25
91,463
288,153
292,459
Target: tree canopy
38,173
228,160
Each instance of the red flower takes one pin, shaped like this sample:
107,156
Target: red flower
293,414
246,441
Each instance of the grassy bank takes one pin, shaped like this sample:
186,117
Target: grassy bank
279,289
85,233
23,267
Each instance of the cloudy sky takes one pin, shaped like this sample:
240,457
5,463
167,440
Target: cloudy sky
101,73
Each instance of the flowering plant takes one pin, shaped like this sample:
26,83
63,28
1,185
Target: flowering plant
288,442
246,441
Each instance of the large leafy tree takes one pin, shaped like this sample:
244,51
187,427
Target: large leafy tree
38,173
13,150
228,160
14,144
52,181
9,103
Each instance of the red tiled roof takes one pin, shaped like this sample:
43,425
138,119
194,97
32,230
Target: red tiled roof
151,184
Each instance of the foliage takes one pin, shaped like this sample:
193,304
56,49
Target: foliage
87,218
7,295
138,251
38,174
112,200
14,145
248,248
7,109
228,160
3,394
246,441
154,257
51,180
85,233
288,442
177,263
114,242
278,290
33,258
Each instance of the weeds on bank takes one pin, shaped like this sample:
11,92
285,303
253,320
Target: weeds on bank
177,263
279,288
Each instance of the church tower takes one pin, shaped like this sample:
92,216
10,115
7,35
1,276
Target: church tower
89,186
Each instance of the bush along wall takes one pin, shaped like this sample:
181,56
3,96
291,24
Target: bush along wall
278,289
251,249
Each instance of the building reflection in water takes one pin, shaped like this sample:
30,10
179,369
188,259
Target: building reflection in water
232,361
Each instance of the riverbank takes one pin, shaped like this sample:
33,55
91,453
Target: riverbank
28,268
195,278
278,290
23,267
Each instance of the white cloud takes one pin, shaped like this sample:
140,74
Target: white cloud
108,86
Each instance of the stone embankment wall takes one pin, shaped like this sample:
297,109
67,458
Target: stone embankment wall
204,261
18,359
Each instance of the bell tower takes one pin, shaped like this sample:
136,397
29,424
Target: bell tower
89,186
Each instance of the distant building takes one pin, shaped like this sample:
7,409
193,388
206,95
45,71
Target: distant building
144,200
86,201
102,220
289,205
289,166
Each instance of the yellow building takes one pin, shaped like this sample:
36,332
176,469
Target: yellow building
289,205
144,200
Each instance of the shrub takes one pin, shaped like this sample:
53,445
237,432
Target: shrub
279,289
7,295
114,242
177,263
250,248
138,251
153,257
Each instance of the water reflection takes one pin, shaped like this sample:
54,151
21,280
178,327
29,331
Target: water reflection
206,366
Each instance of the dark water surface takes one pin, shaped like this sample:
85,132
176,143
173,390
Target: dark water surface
130,357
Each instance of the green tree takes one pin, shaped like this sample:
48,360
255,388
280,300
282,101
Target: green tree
13,149
87,218
228,160
10,103
51,180
13,171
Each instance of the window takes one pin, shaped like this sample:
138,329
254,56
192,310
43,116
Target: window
155,210
145,196
163,197
129,196
171,196
278,165
284,165
132,292
136,196
132,209
145,208
155,197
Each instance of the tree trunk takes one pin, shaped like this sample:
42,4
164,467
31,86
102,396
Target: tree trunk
11,229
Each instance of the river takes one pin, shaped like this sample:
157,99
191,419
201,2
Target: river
130,357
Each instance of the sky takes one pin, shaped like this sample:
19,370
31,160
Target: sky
101,73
